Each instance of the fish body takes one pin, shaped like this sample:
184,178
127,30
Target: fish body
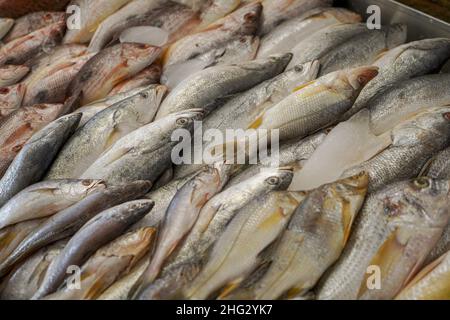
216,9
11,74
204,88
148,76
393,234
18,8
110,67
286,35
18,127
68,221
144,153
100,230
103,130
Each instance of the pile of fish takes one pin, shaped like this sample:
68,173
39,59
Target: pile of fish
92,206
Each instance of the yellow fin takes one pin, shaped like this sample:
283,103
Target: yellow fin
303,86
257,123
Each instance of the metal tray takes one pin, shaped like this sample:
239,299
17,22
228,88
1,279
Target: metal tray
420,25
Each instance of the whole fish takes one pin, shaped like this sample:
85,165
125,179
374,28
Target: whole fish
221,209
108,264
120,290
98,231
68,221
11,74
277,11
108,68
45,199
412,144
392,236
5,26
12,236
19,8
182,213
144,153
52,87
352,54
33,21
148,76
239,111
235,254
20,50
11,99
325,41
404,62
215,9
313,240
36,156
92,14
205,88
103,130
285,36
242,22
315,105
25,279
431,283
18,127
405,99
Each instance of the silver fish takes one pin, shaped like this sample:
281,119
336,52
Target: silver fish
394,232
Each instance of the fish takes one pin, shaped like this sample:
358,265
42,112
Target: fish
24,280
221,209
285,36
103,130
431,283
277,11
216,9
11,99
144,153
404,99
5,26
31,22
148,76
12,236
352,54
19,126
235,254
313,240
325,41
120,290
395,230
108,264
413,142
20,8
68,221
315,105
219,82
46,198
239,111
242,22
20,50
94,12
169,286
182,213
52,87
11,74
33,160
42,60
108,68
407,61
100,230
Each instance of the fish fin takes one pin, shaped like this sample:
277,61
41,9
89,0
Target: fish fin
386,256
424,272
230,287
303,86
117,154
257,123
72,103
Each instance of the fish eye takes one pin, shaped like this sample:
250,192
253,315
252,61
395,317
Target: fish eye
422,183
273,181
182,121
298,68
446,116
361,79
86,182
144,95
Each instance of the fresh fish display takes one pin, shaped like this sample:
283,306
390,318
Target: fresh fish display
394,232
223,149
103,130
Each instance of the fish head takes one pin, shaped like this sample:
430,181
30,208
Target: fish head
247,18
303,72
137,209
185,119
396,35
222,172
91,185
13,94
350,82
137,56
10,72
277,178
